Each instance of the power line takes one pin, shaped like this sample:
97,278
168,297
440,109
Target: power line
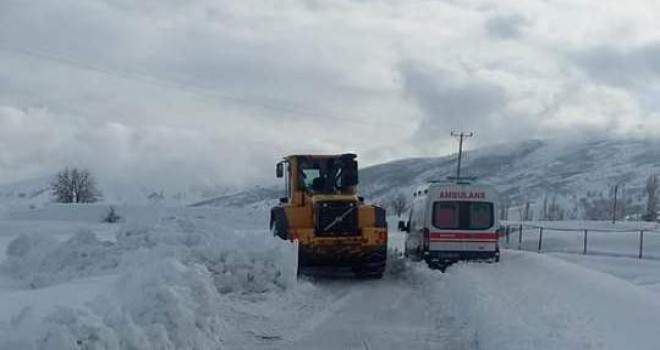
272,105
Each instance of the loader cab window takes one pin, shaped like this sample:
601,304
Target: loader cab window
309,176
326,175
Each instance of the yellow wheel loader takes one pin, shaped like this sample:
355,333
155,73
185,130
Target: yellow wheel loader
334,228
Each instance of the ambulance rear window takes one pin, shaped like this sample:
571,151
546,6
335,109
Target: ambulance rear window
481,215
446,215
461,215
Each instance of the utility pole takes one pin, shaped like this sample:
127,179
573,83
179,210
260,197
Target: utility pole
616,191
461,136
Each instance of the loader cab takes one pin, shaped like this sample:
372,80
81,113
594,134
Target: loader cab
327,175
307,175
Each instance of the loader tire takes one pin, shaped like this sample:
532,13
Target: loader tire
374,266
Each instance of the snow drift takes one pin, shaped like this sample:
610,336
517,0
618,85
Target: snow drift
170,285
534,301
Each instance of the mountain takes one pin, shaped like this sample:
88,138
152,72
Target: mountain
31,192
577,176
573,175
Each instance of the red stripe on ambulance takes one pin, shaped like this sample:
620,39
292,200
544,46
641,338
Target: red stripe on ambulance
461,236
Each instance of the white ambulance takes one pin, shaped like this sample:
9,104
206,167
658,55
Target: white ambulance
453,220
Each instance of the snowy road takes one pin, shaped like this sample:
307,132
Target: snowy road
529,301
385,314
408,308
210,279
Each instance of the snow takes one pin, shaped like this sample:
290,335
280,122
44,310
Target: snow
214,278
160,286
535,301
641,272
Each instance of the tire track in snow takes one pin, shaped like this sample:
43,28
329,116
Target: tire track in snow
322,315
385,314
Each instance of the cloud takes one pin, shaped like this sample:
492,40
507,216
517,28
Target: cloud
622,66
208,91
505,26
36,142
162,92
451,103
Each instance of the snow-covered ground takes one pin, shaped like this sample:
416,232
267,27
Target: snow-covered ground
213,278
536,301
643,273
162,279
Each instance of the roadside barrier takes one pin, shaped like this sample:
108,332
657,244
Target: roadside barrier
521,229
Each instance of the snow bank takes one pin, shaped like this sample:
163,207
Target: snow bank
533,301
174,283
40,260
60,212
641,272
239,262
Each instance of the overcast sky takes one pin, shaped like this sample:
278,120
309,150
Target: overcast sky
202,92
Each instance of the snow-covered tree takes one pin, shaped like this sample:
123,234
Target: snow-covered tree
544,213
524,212
651,191
596,208
75,186
555,211
398,203
111,215
618,196
156,196
505,205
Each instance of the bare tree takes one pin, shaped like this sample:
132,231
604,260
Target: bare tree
555,210
505,205
618,200
398,203
75,186
595,208
156,196
524,213
111,215
651,198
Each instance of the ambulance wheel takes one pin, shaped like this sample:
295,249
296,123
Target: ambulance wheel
437,265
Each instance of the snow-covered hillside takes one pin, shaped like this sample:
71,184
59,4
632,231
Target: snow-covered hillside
575,174
257,197
214,278
24,194
568,172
